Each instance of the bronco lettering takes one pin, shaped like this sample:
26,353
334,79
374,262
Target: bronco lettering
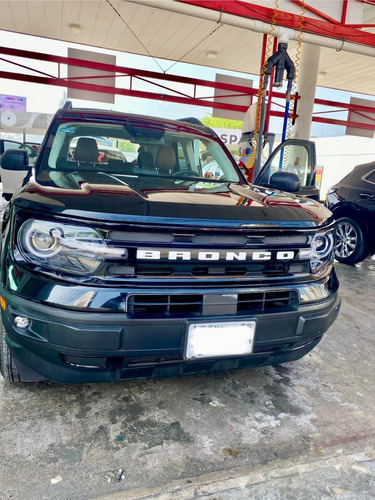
209,255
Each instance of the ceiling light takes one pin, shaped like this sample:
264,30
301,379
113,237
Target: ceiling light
75,28
211,54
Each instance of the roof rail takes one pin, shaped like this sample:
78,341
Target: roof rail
67,105
191,119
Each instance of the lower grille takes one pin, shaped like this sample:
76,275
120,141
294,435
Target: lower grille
194,305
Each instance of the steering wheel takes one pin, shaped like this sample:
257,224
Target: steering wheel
186,173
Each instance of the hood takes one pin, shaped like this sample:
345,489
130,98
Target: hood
146,199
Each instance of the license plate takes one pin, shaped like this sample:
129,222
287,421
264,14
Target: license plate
208,340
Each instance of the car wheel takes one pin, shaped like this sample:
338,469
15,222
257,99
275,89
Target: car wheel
7,365
350,244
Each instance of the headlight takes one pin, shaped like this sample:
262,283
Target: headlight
322,247
62,247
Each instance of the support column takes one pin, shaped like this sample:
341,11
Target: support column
307,78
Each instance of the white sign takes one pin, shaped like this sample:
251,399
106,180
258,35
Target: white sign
231,97
229,136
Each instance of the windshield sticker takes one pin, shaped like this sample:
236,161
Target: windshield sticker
68,130
204,185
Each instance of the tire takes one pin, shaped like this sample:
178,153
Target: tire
350,244
7,365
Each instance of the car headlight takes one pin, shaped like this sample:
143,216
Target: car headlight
63,247
322,251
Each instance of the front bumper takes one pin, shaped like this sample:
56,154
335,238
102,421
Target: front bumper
69,346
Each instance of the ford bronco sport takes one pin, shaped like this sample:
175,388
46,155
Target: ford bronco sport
151,267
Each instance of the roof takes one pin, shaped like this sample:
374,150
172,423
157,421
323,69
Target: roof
91,114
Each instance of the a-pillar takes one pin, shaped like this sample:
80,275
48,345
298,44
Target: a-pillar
306,86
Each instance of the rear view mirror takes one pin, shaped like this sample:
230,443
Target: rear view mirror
15,159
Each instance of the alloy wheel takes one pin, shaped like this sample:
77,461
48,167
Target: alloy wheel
347,239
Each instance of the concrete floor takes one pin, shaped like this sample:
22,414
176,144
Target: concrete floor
304,430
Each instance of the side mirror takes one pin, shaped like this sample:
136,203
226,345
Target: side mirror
14,167
293,156
15,159
285,181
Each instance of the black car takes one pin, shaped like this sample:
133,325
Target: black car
112,269
352,202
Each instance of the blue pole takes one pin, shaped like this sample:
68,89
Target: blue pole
286,114
285,125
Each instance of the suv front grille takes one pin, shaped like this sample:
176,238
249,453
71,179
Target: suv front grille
192,241
186,305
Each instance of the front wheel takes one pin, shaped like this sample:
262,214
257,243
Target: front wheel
350,244
7,365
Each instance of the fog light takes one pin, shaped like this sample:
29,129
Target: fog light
21,322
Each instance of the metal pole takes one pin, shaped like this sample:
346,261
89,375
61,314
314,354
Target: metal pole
307,80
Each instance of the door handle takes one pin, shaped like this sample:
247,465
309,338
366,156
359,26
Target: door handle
367,195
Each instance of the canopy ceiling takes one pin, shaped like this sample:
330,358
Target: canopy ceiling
132,27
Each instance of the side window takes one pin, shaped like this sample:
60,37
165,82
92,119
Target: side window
11,145
370,177
294,159
210,167
31,153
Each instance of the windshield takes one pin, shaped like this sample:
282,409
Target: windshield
137,149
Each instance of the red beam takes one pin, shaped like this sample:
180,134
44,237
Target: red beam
345,105
364,116
343,123
181,98
287,20
61,82
38,56
121,71
315,11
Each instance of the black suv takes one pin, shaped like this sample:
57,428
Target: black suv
352,202
159,264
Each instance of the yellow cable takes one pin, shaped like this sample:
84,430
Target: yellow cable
296,68
251,160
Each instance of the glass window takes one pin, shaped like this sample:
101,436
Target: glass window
31,153
138,149
293,159
370,177
11,145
